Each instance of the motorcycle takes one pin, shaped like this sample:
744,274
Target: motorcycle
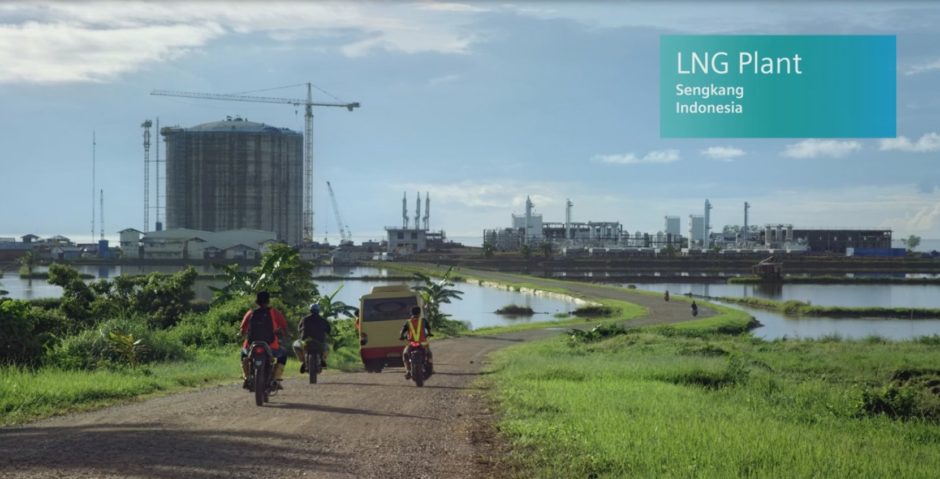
419,367
313,360
261,372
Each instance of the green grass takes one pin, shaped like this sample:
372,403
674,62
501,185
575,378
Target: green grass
728,320
825,279
799,308
652,405
31,394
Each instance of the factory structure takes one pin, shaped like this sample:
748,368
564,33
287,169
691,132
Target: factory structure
414,237
610,237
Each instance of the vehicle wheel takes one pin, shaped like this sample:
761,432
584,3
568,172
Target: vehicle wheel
261,387
313,363
417,373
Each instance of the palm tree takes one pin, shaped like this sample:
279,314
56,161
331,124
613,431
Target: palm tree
27,265
436,293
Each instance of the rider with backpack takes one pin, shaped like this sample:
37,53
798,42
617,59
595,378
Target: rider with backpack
264,324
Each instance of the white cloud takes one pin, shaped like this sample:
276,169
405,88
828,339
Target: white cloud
723,153
813,148
97,41
486,194
927,143
655,156
922,67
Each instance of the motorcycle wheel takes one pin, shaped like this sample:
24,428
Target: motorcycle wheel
313,364
261,387
417,371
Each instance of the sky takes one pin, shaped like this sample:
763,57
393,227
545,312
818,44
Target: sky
479,104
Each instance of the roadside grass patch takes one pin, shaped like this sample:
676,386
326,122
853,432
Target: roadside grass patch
648,404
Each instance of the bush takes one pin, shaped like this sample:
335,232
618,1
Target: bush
594,311
515,310
599,332
19,341
216,327
91,348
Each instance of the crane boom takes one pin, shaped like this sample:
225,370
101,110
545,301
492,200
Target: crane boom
308,104
345,235
248,98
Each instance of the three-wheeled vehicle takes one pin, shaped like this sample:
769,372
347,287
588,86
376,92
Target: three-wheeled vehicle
381,316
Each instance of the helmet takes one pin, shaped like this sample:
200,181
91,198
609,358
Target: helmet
315,308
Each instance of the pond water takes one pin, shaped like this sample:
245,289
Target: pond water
477,307
777,326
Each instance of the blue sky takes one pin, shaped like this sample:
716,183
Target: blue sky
480,104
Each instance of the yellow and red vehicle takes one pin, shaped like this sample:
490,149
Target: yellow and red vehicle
381,316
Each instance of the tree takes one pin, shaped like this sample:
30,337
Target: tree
76,295
28,264
526,251
282,272
488,249
911,242
546,248
436,293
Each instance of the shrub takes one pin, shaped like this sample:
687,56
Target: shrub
515,310
594,311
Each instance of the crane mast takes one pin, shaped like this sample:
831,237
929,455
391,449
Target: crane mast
308,103
345,235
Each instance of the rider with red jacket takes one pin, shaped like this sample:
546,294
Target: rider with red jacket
416,331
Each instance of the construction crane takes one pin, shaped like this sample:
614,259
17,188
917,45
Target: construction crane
345,235
308,105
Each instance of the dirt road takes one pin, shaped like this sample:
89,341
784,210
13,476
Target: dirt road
348,425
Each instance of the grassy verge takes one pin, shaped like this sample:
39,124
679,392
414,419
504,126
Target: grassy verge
799,308
837,280
27,395
31,394
646,404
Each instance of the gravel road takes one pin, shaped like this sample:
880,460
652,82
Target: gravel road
349,425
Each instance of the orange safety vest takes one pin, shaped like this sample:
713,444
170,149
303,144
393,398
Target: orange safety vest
416,330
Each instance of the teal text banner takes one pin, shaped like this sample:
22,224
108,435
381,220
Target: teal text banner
778,86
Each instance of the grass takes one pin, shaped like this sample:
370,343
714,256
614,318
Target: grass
645,404
837,280
27,395
799,308
32,394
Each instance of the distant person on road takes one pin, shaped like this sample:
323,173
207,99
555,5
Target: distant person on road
264,324
694,308
416,330
666,296
315,329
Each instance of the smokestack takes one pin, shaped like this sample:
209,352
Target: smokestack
427,211
707,226
404,210
418,212
568,205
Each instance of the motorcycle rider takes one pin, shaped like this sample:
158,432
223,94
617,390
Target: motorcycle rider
312,328
254,327
416,330
694,308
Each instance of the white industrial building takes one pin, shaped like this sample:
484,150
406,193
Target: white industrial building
673,226
184,243
696,230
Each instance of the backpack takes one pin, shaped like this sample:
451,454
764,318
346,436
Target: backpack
260,326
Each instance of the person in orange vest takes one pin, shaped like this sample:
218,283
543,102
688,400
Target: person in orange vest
416,331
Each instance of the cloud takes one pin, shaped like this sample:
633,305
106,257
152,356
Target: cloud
927,143
655,156
443,79
813,148
922,67
98,41
723,153
487,194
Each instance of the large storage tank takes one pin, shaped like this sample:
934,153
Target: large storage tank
235,174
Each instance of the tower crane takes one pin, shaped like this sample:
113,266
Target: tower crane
345,235
308,105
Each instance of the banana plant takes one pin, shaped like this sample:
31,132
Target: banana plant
435,293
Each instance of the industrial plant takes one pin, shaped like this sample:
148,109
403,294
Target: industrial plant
610,237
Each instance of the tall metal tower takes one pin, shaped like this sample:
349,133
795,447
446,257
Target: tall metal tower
568,205
101,212
418,212
94,144
745,234
156,160
708,225
146,126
